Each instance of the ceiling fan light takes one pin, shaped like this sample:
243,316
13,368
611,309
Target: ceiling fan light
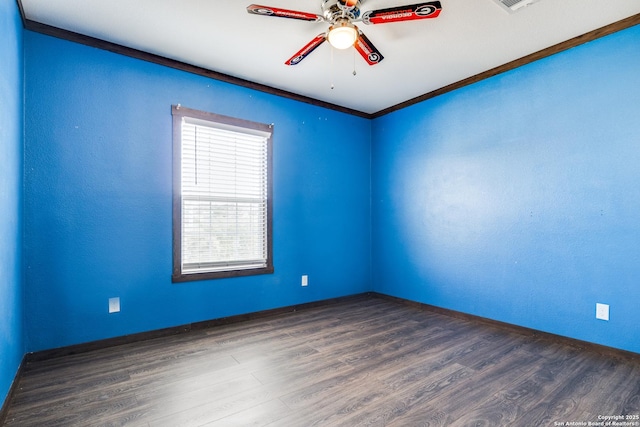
342,35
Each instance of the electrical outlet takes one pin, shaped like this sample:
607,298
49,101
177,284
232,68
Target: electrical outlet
305,280
602,311
114,305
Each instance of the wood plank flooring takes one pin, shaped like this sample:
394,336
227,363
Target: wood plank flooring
366,361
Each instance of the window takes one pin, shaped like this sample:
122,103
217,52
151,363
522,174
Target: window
221,196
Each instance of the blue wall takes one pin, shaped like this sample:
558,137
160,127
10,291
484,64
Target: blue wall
98,197
11,112
518,198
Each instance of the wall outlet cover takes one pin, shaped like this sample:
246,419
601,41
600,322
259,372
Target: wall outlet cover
602,311
114,305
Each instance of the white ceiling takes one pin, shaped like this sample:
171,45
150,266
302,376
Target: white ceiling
469,37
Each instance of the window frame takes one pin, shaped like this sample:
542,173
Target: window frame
179,112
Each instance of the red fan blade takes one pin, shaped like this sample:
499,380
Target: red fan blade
368,51
309,47
403,13
256,9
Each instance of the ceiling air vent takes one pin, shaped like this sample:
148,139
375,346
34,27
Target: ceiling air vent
514,5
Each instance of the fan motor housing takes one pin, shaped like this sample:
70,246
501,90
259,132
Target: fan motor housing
332,11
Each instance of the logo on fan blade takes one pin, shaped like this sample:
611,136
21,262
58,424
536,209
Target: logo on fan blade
263,11
397,15
364,48
425,10
291,14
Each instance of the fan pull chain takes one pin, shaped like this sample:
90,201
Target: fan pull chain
354,61
332,73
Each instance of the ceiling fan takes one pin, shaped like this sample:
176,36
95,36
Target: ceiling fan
342,33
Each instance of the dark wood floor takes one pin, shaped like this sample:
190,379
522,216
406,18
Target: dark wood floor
367,361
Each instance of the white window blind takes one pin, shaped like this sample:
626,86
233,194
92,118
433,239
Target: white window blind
224,197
